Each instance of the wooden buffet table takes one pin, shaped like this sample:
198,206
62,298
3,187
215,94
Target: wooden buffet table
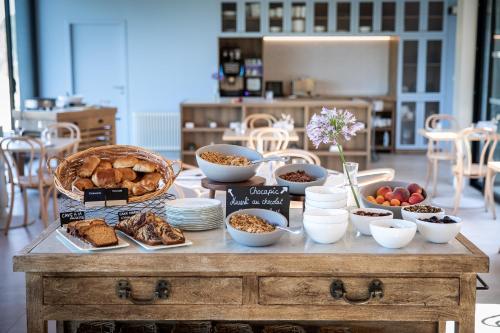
422,285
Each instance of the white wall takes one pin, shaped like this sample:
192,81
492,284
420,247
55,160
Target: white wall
339,67
172,47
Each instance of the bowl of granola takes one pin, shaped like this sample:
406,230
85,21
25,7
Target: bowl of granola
255,226
300,176
227,163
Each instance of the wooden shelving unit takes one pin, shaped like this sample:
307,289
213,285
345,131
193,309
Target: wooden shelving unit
225,112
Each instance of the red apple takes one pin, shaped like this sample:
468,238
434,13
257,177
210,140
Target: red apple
405,204
414,188
389,196
401,194
416,198
383,190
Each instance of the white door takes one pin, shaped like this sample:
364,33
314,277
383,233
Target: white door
98,60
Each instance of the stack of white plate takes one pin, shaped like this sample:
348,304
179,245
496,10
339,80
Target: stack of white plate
195,214
325,197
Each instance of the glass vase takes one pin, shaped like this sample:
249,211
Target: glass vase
351,169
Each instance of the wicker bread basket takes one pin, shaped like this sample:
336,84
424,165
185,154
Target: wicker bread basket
66,171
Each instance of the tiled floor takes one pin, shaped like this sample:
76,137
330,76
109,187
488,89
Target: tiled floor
478,226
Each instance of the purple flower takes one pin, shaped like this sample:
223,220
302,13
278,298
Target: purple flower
330,126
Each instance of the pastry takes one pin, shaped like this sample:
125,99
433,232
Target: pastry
151,229
125,162
150,181
100,235
104,165
89,165
95,231
107,178
83,183
128,174
128,185
139,189
144,166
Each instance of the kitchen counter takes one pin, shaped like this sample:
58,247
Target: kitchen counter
423,284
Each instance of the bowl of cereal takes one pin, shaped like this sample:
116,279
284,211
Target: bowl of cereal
255,226
300,176
227,163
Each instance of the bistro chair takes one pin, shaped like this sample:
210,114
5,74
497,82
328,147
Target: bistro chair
63,130
251,120
489,186
33,175
465,166
268,139
438,151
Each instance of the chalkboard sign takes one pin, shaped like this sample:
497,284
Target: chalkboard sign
126,214
67,217
116,197
276,198
95,197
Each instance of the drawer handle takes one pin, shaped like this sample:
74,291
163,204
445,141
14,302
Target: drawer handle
124,291
375,291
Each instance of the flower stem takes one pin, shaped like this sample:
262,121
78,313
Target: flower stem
341,151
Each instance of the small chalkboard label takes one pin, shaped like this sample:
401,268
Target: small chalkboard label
276,198
95,197
67,217
116,197
126,214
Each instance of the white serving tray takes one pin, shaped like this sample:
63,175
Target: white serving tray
154,247
84,246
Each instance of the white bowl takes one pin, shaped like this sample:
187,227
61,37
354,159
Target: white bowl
326,215
325,233
393,234
362,223
326,193
412,216
439,232
326,204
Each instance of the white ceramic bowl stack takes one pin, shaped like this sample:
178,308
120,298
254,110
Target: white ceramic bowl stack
326,225
195,214
325,197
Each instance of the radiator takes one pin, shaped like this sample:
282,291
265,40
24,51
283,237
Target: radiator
158,131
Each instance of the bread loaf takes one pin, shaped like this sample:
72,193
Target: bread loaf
150,181
83,183
89,165
125,162
100,236
104,165
128,174
144,166
107,178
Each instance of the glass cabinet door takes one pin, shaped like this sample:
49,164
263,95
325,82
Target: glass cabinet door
252,17
433,66
435,16
412,15
388,16
365,17
228,11
298,17
321,17
410,66
343,17
275,17
430,108
408,121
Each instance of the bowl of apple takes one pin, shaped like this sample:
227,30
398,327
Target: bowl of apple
393,195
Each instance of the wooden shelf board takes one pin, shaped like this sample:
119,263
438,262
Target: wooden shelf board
203,129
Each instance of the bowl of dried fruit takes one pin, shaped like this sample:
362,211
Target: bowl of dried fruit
255,226
361,218
418,212
439,229
300,176
227,163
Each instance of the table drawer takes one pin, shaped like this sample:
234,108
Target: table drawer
142,290
395,291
